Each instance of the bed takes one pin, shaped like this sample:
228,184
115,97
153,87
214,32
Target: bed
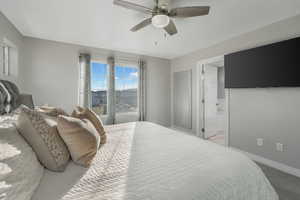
145,161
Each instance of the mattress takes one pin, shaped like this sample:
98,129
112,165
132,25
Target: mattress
145,161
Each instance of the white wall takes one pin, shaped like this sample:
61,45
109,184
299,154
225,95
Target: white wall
158,91
8,31
272,114
51,70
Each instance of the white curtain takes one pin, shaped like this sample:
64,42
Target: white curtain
84,80
142,90
1,59
111,99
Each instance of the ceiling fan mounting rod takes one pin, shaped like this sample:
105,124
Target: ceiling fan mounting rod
159,11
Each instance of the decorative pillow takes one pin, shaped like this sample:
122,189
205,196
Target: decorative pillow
52,111
44,139
81,137
85,113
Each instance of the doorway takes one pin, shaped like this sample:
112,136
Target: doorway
213,101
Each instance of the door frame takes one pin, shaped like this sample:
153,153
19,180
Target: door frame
200,97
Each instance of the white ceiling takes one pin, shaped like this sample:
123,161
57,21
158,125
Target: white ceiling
98,23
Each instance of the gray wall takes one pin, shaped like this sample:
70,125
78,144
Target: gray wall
269,113
241,136
7,30
278,31
51,70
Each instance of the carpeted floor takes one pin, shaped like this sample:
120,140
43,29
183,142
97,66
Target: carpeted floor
287,186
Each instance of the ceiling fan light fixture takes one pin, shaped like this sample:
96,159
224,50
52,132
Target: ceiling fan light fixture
160,21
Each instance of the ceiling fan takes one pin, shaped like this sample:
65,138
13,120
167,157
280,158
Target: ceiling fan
161,14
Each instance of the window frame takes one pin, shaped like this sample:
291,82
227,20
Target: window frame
100,61
120,117
138,85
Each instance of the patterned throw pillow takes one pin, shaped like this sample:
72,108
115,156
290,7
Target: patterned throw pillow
52,111
85,113
43,137
81,137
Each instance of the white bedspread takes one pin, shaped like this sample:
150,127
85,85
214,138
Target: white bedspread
20,171
144,161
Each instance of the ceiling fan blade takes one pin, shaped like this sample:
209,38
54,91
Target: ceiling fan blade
171,28
141,25
189,11
133,6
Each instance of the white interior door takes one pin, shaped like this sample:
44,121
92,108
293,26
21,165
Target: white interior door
183,99
210,105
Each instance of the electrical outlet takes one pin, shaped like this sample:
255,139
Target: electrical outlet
279,147
260,141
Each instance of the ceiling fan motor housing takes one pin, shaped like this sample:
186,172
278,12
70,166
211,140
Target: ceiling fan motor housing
161,14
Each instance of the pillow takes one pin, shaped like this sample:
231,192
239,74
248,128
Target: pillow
81,137
52,111
85,113
44,139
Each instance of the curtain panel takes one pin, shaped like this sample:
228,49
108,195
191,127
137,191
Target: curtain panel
85,98
111,97
142,90
84,80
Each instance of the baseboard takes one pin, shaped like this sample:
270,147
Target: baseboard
189,131
282,167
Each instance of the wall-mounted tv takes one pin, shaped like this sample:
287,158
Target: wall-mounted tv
274,65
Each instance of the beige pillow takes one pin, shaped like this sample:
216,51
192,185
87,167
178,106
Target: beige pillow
81,137
43,138
85,113
52,111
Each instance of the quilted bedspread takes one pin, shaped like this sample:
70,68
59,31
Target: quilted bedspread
20,171
144,161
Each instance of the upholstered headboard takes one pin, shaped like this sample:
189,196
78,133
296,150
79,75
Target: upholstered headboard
10,97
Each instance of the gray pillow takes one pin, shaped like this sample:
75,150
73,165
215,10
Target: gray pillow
43,137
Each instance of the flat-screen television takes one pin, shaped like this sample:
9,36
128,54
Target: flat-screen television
274,65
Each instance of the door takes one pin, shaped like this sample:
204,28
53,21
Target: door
126,94
211,122
183,99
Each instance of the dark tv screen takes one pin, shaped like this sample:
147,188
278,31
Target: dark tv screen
275,65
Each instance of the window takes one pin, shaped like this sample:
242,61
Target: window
8,58
5,60
99,87
126,89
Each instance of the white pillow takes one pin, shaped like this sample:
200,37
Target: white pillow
20,170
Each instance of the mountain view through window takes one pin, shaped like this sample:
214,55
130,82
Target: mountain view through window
126,88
